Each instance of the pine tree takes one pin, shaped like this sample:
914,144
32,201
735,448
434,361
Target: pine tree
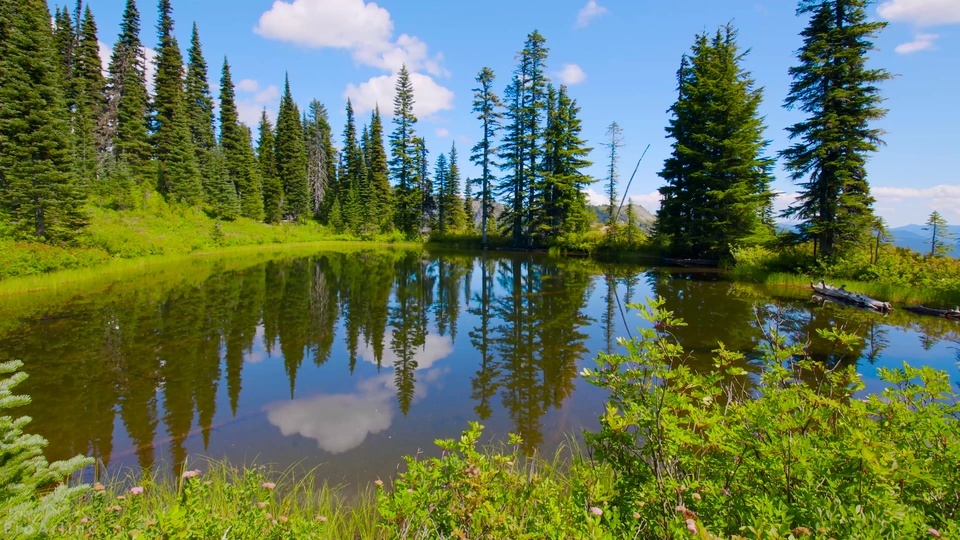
177,173
124,124
379,173
403,154
199,102
533,68
291,157
717,191
941,239
38,192
424,184
238,152
267,161
65,41
321,157
441,180
89,87
840,96
512,188
613,175
352,176
454,211
487,106
562,205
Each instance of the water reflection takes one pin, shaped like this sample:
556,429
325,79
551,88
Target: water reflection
355,359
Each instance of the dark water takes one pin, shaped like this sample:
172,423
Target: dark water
352,360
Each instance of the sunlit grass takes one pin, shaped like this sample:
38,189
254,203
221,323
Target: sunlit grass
887,292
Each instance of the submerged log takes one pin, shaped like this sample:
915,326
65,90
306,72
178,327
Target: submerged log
945,313
852,298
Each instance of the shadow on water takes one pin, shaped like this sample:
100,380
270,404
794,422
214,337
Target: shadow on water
351,360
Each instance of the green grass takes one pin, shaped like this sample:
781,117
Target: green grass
887,292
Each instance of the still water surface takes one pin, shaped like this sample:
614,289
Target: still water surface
351,360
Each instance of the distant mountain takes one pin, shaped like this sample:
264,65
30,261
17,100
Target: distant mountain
908,236
641,215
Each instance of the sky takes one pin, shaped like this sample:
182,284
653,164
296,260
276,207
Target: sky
618,58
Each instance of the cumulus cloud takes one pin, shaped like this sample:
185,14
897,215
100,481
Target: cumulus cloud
944,198
443,133
435,348
429,97
571,74
366,31
589,12
921,12
252,99
922,42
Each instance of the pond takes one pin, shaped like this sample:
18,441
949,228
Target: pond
350,360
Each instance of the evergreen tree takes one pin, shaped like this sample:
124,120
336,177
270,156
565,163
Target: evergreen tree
65,40
124,123
238,152
352,177
441,180
199,102
291,156
378,172
177,173
613,175
487,106
321,157
267,161
424,184
840,96
717,191
223,199
562,205
512,188
88,87
38,192
534,102
450,201
403,154
941,239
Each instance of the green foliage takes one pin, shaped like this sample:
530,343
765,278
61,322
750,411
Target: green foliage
267,162
717,191
941,239
402,158
291,158
469,493
790,451
30,505
840,96
487,105
126,93
222,502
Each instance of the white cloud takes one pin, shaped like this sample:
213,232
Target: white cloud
944,198
429,97
589,12
922,42
571,74
366,30
921,12
435,348
252,99
443,133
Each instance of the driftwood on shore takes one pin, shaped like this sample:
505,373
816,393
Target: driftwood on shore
933,312
851,298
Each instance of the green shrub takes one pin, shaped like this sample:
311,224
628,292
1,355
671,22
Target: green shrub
34,495
792,451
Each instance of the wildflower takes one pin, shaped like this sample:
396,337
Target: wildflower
273,522
801,531
268,515
283,518
136,490
696,496
117,508
636,515
596,511
117,528
121,497
379,482
409,490
321,519
84,521
692,526
190,474
98,487
933,532
268,485
261,504
208,483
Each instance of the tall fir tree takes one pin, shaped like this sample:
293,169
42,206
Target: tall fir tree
65,40
238,152
534,102
613,145
487,106
717,193
352,176
267,161
512,188
562,205
291,156
38,192
450,199
124,124
403,155
839,94
379,172
178,175
88,87
321,157
199,102
942,241
441,181
424,184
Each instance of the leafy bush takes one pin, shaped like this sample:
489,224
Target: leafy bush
790,453
472,494
33,492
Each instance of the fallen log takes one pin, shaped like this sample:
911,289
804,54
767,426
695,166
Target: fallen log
852,298
933,312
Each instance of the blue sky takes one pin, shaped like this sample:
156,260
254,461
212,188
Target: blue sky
618,57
